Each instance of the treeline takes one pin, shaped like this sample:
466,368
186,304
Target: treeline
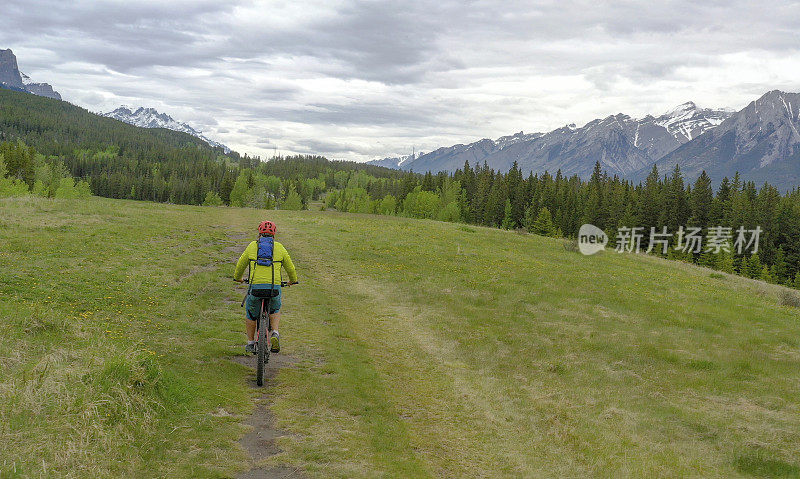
558,206
23,171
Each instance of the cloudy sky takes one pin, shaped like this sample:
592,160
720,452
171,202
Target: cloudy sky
361,80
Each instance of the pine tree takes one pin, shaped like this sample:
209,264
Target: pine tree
594,211
707,259
779,268
700,201
494,211
754,267
766,275
676,206
544,224
516,193
530,218
744,267
427,182
652,203
226,186
724,262
508,217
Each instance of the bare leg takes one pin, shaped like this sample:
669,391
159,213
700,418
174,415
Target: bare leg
274,319
251,329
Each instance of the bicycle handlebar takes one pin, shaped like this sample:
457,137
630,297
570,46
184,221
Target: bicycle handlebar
283,283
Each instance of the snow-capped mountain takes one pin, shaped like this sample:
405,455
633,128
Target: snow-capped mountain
622,144
686,122
761,142
396,162
151,118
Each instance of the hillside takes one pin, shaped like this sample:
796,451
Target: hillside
406,355
58,128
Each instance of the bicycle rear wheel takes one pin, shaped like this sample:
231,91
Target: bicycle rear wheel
263,349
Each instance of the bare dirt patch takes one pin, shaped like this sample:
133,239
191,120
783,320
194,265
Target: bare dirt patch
261,442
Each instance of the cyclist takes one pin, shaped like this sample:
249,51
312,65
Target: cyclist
261,278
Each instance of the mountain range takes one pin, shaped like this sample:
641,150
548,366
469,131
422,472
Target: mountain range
396,162
761,142
151,118
12,79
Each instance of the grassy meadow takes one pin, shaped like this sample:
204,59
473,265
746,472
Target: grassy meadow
422,349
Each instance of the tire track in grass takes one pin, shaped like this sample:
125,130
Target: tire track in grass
335,399
361,390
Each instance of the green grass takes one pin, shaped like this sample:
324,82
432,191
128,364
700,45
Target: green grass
424,349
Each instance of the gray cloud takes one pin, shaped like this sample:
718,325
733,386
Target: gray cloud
358,79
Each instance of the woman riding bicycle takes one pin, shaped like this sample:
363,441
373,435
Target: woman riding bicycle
261,277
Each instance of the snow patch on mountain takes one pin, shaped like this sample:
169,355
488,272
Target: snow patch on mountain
151,118
396,162
685,122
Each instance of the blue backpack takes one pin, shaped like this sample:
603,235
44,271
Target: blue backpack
266,246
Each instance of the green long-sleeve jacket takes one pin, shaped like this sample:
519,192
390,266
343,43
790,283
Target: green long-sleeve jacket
263,274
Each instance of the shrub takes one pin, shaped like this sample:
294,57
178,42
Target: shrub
212,199
12,187
571,246
420,204
387,206
66,189
293,200
451,213
790,298
240,190
83,189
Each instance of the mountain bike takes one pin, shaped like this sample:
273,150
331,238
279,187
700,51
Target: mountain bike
263,327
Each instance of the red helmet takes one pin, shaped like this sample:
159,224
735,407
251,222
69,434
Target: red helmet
267,228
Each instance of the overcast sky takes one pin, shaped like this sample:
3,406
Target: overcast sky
363,80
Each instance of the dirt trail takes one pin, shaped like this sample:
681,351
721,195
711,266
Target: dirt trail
261,441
